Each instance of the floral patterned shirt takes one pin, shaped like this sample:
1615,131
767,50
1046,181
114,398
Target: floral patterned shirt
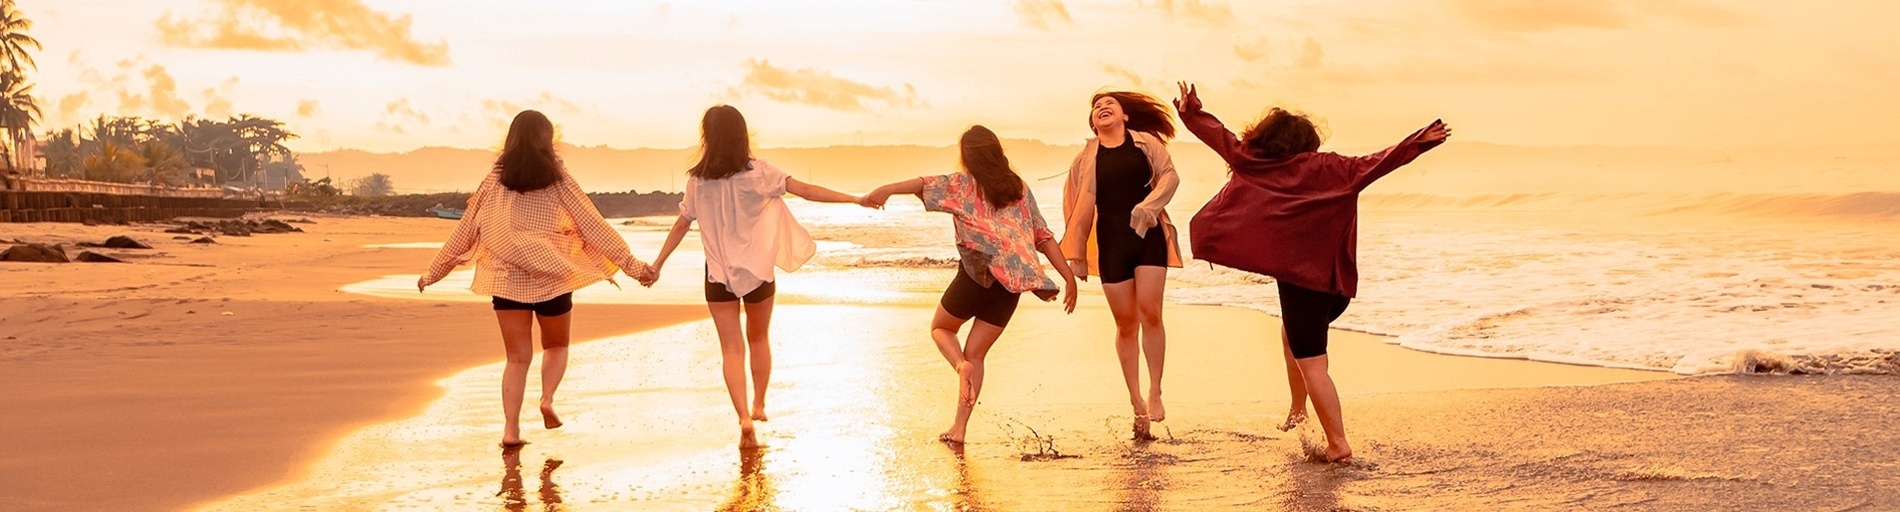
997,244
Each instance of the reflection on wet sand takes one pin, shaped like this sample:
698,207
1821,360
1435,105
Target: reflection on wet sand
754,490
965,498
513,494
1141,477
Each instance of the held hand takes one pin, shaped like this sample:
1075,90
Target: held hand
1190,99
1437,132
1079,270
875,199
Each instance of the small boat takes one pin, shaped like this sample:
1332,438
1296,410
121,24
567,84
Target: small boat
446,213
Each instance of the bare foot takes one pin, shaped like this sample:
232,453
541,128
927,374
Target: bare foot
1141,428
1155,412
1338,453
548,419
758,411
510,444
747,438
1293,419
952,436
966,392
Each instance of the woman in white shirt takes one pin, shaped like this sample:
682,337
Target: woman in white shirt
746,230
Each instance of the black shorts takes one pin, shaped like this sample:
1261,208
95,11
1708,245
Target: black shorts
966,299
716,292
552,307
1307,314
1120,250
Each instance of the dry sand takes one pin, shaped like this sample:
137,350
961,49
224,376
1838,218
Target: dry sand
197,371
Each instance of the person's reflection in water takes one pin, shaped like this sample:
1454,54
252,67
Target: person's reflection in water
754,490
966,498
514,496
1139,484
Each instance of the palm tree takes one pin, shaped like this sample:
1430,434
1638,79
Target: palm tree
14,39
18,112
114,163
63,157
164,164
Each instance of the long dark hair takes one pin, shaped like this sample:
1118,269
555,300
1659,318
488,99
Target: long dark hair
1280,134
982,156
1145,113
725,148
527,158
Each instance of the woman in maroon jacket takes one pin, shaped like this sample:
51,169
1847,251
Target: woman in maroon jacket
1291,212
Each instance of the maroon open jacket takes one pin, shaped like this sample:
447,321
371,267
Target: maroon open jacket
1293,218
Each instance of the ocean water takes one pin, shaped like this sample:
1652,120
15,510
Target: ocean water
1687,284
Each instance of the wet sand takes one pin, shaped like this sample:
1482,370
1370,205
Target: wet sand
197,371
858,397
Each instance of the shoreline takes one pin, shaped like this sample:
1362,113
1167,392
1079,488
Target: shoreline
230,366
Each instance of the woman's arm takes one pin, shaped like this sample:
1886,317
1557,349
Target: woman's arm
673,239
816,193
1369,168
596,233
1205,126
1147,213
1053,251
455,251
877,197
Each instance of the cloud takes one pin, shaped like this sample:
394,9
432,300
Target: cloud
1210,12
216,102
1132,78
286,25
816,87
161,97
307,108
1043,14
1527,16
501,110
1254,52
399,115
70,104
1310,53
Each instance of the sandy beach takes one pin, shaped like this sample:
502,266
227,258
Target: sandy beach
305,397
196,371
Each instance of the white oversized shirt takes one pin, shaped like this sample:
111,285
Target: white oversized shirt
745,227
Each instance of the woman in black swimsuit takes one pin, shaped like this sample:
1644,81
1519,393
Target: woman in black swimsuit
1117,228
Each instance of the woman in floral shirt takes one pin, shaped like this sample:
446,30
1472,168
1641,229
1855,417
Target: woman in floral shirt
999,232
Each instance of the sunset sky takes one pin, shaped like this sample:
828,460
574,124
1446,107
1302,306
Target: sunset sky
397,75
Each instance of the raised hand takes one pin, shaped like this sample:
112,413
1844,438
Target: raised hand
1437,132
1190,99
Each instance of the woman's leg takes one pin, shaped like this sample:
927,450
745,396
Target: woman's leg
982,337
1325,398
1295,413
732,364
554,339
1121,304
517,340
1150,282
758,340
943,332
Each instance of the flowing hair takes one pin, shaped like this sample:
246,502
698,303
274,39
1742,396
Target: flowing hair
1145,113
725,148
1282,133
982,155
527,158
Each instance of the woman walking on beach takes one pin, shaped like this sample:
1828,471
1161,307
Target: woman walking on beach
999,232
535,238
745,229
1117,227
1291,212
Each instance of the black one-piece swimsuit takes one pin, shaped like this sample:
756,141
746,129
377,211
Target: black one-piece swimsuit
1122,177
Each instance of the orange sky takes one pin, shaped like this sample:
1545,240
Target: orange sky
396,75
